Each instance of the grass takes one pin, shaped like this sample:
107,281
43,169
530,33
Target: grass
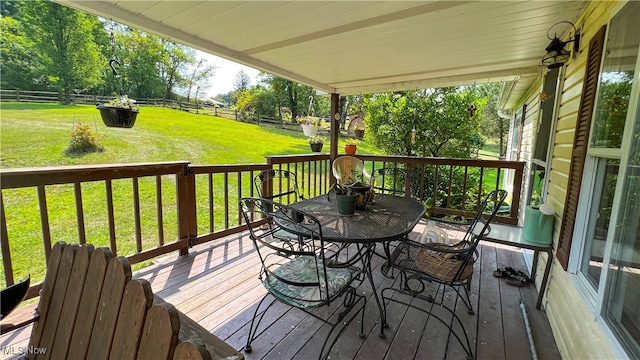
36,135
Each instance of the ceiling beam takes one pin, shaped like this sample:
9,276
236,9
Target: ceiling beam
429,81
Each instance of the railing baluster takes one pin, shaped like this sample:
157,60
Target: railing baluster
435,186
159,214
226,200
464,188
136,213
211,202
480,187
4,245
111,218
450,186
44,219
239,194
77,190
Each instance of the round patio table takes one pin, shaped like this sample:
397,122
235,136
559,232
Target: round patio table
386,219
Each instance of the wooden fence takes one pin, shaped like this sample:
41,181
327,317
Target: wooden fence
92,99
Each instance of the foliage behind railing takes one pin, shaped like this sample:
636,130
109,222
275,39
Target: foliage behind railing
147,210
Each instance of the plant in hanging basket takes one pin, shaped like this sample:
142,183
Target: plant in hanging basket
309,125
119,112
358,131
316,143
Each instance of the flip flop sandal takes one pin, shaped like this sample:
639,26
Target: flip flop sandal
519,279
504,272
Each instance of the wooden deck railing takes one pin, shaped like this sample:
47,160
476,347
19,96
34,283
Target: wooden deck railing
142,211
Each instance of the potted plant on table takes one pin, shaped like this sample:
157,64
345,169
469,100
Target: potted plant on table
309,125
316,143
345,197
350,146
119,112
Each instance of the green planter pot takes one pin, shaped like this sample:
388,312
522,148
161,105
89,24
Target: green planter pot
346,204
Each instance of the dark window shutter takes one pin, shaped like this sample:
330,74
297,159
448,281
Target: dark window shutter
580,145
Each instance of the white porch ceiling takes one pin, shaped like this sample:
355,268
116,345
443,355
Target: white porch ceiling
357,47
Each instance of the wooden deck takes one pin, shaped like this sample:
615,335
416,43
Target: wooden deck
217,286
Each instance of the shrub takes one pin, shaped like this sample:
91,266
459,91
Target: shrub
83,141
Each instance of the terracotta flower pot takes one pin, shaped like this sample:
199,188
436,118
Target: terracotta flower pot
350,149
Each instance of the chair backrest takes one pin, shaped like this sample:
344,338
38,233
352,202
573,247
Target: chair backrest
276,254
279,185
453,263
479,227
350,169
392,181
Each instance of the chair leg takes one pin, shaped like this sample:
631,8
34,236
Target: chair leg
460,336
350,301
253,329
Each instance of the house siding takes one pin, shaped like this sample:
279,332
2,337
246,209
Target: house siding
576,330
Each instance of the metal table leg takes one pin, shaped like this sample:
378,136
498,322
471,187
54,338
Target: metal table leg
383,319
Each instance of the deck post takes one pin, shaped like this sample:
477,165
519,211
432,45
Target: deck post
335,132
186,191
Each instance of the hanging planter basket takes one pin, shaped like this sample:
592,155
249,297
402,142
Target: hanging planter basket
316,147
118,117
310,130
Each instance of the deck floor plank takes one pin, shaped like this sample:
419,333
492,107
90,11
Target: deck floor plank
217,285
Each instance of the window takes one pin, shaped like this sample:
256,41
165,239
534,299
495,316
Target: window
608,260
547,109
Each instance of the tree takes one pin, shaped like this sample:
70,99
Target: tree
242,82
494,126
141,55
445,121
20,66
63,40
200,77
174,62
291,95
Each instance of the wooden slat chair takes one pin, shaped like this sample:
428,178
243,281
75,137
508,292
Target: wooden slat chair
91,308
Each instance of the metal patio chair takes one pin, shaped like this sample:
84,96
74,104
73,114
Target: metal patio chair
300,278
392,181
449,263
278,185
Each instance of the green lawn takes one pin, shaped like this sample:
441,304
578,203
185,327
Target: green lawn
37,135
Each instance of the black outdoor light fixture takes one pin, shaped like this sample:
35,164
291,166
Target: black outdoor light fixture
557,55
